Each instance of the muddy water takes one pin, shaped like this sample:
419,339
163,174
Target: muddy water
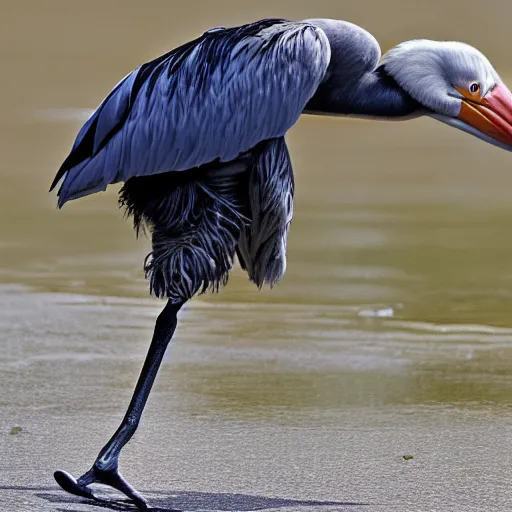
396,302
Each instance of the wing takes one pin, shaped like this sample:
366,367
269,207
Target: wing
262,246
210,99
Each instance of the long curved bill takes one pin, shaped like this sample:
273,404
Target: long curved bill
488,118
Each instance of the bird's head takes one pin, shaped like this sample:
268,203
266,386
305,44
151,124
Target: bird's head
457,85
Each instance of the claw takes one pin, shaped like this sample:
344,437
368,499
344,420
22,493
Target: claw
111,479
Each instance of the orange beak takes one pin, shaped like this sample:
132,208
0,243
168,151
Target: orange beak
489,115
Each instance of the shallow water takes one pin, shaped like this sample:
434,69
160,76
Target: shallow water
392,323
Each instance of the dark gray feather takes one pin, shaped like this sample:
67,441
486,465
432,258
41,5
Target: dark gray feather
262,246
195,219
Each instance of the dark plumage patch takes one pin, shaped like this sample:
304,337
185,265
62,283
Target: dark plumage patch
78,154
84,146
195,220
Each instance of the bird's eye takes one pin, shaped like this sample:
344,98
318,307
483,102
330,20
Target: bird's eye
474,88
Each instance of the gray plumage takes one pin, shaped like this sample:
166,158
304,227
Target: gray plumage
217,108
211,99
262,245
197,135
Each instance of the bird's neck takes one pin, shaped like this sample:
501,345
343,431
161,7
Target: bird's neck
375,94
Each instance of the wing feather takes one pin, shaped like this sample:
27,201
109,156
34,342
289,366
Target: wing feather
210,99
262,246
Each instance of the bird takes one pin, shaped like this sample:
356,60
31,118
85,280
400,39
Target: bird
197,137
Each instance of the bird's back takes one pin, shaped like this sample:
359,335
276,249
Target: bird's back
208,100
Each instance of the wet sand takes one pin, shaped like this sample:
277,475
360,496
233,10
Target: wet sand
315,414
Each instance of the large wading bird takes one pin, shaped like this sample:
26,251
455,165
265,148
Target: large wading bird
197,137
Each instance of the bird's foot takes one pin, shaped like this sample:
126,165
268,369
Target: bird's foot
110,477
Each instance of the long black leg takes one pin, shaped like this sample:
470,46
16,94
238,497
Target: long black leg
105,469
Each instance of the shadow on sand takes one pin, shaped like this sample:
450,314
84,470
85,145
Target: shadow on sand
181,501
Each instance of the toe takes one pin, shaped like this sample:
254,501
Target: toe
117,481
69,484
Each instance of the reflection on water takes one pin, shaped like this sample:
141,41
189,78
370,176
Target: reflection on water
409,216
